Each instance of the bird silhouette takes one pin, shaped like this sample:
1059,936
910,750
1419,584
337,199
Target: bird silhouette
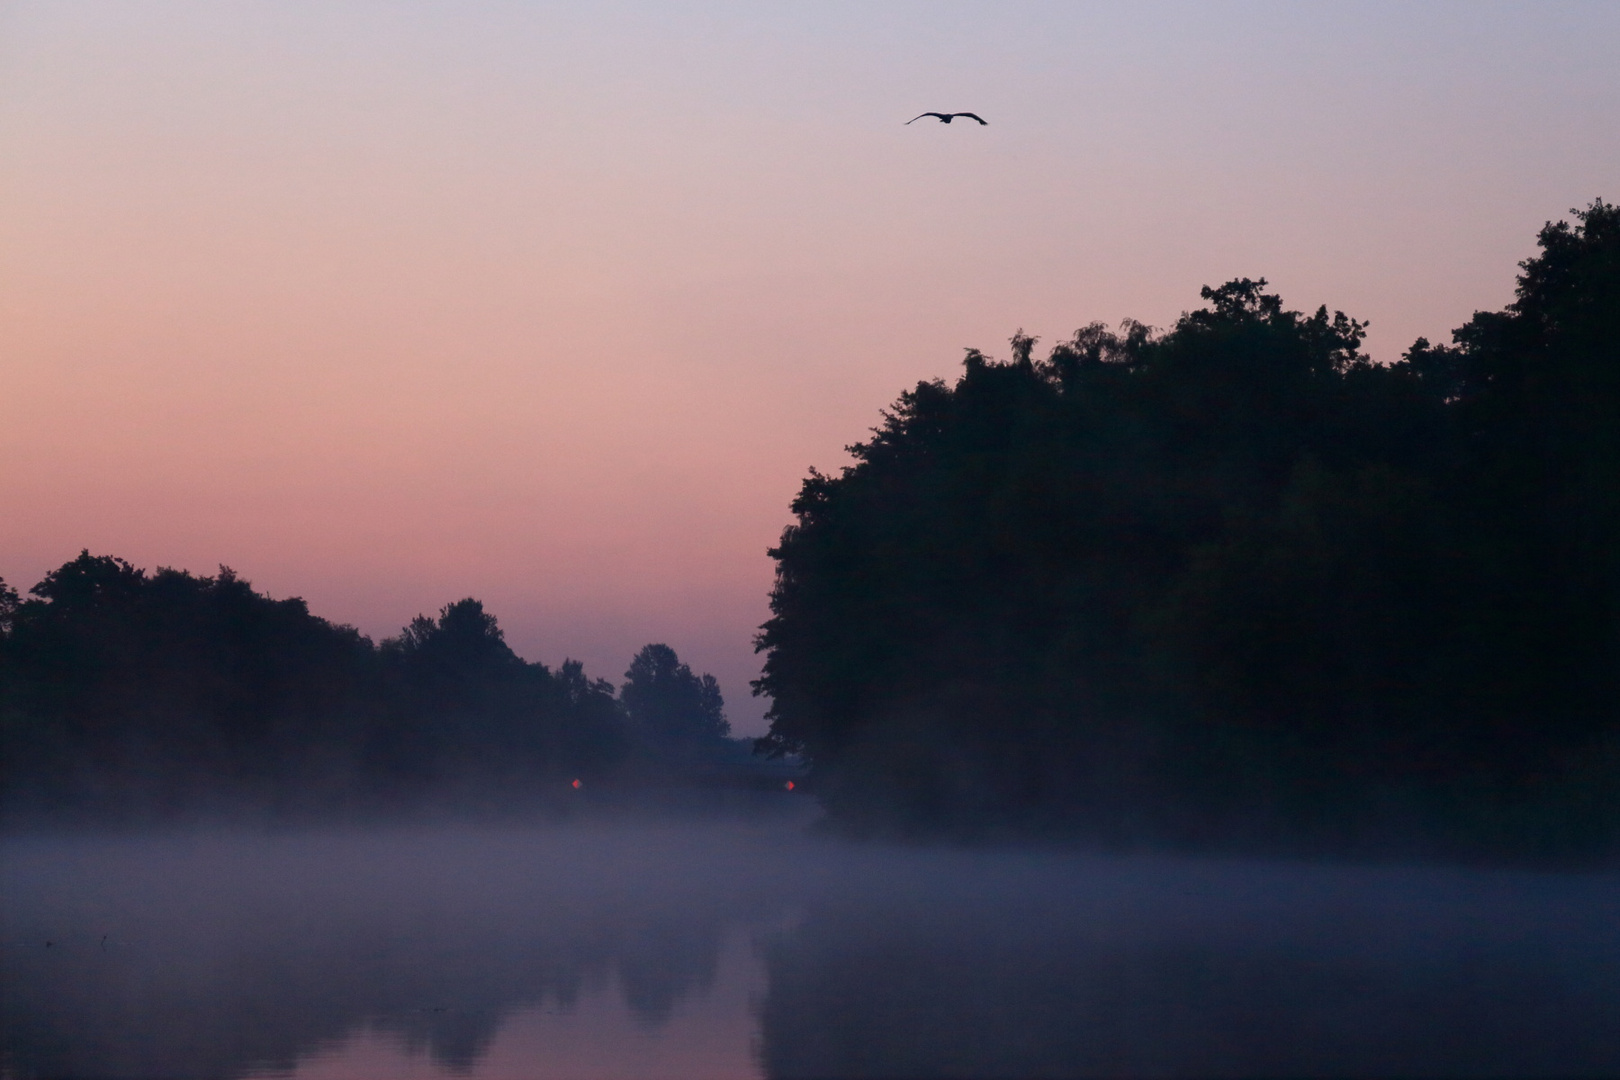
947,117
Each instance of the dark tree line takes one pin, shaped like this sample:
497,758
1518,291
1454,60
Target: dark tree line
127,691
1231,579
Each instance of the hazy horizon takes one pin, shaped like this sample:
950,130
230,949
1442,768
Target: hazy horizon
385,307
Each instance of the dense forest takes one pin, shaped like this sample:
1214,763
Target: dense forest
144,694
1231,582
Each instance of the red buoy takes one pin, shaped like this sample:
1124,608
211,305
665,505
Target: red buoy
576,785
790,785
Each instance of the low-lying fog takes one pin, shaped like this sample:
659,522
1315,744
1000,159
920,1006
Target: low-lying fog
748,945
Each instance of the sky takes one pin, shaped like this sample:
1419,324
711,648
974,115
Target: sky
554,305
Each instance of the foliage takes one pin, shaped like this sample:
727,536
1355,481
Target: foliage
674,709
1229,578
128,692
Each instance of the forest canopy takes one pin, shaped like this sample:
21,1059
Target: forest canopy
1230,579
129,692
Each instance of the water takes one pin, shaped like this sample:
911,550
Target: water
731,949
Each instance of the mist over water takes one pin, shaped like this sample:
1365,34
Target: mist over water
749,945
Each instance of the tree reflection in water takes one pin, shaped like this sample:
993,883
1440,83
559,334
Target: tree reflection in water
231,955
227,955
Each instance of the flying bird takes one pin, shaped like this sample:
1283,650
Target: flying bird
947,117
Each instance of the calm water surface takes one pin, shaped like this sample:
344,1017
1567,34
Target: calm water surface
750,948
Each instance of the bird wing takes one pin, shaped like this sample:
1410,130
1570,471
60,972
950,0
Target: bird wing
972,116
914,119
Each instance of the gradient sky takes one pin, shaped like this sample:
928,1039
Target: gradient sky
386,304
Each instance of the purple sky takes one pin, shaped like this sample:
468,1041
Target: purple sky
386,304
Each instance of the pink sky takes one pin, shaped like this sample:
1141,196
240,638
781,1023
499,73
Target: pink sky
389,304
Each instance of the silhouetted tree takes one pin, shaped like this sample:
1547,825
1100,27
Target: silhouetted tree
153,687
674,708
123,690
471,708
1231,572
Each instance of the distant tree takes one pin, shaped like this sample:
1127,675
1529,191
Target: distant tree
123,691
463,647
90,581
594,736
468,706
154,688
673,707
14,728
9,602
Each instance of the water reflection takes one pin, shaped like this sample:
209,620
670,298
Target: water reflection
706,1035
1202,969
223,956
731,949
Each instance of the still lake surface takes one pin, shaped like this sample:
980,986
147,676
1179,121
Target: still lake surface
750,947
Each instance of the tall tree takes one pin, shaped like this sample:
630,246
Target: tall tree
1233,569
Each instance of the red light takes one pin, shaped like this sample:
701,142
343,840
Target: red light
790,785
576,785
